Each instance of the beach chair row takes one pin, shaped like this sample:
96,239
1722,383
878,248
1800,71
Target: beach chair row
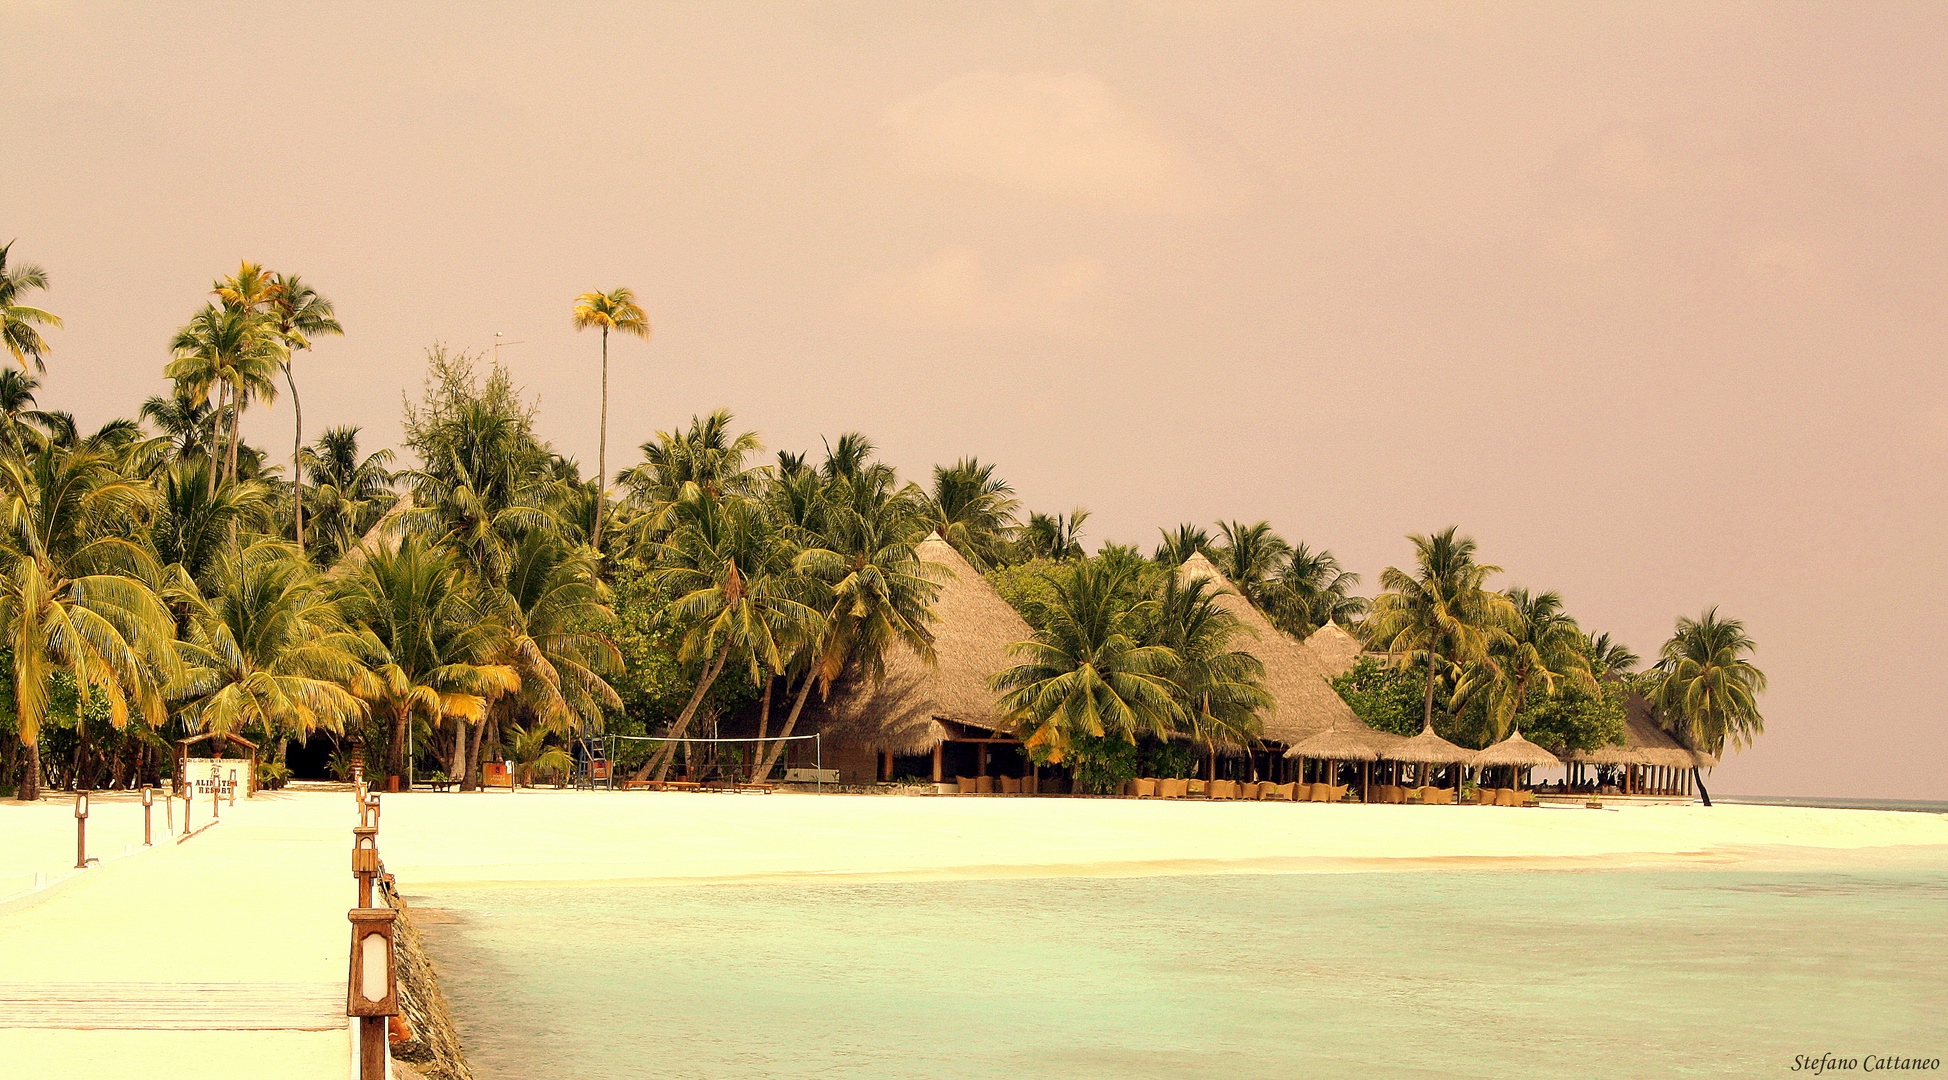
1259,791
999,785
1504,797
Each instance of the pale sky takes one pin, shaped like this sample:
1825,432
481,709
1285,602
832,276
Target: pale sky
1648,299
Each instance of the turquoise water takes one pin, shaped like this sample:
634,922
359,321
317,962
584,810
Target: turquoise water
1452,974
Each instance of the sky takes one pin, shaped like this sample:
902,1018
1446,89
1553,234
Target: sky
1647,298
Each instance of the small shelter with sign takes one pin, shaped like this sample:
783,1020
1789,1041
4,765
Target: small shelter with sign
222,775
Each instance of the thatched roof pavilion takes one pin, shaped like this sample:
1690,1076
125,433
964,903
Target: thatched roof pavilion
920,705
1644,743
1516,751
1426,748
1335,745
1304,704
1338,652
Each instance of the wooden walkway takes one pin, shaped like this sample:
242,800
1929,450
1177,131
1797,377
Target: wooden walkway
166,1006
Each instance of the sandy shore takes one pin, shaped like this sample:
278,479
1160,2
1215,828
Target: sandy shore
433,840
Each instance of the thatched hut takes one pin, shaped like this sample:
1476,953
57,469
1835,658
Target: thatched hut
1652,762
1304,704
944,711
1337,651
1514,753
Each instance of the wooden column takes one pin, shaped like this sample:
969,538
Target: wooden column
936,761
980,759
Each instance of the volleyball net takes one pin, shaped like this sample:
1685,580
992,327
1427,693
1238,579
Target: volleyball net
703,759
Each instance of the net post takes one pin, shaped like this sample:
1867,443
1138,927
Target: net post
818,759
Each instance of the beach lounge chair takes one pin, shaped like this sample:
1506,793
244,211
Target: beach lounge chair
1506,797
1254,790
1179,789
1221,789
966,784
1336,791
1435,796
1144,788
1315,793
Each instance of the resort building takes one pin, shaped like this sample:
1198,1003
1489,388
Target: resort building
1651,761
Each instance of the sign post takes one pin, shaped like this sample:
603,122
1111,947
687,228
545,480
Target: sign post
81,830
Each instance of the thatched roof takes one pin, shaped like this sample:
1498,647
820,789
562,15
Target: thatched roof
384,533
1644,743
1338,651
1304,703
1426,747
1515,750
1335,745
972,630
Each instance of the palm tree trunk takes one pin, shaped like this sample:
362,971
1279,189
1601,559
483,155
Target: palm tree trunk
662,758
602,449
791,721
396,746
216,435
1428,719
297,452
30,774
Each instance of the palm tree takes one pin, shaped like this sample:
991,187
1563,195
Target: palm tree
192,523
615,310
1220,690
1311,590
21,421
876,592
75,593
1544,647
270,652
1441,612
186,421
233,350
1706,692
17,321
973,510
425,638
301,314
707,456
1249,556
1086,674
729,568
1054,536
349,492
1611,659
484,482
1177,546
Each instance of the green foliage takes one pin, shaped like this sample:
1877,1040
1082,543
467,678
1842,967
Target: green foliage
1166,758
1102,764
1030,588
1575,718
653,685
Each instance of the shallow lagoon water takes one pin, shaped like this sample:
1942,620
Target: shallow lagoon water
1453,974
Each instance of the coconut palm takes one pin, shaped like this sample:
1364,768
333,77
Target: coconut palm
729,568
1220,689
17,320
874,591
1705,691
1052,536
185,421
707,456
425,638
615,310
1611,659
236,352
484,483
192,523
270,652
20,421
1310,590
349,492
1441,613
300,314
1086,673
1249,556
973,510
1180,544
1543,648
76,593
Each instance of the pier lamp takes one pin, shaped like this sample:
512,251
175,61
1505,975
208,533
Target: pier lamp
81,830
233,787
369,813
365,861
373,993
148,816
189,790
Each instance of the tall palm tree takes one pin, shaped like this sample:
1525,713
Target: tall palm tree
615,310
708,457
1249,556
973,510
1706,691
270,652
1220,690
233,350
17,320
186,421
349,492
1441,613
1311,590
76,593
1087,673
730,570
301,314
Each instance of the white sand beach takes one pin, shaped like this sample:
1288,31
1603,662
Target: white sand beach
432,840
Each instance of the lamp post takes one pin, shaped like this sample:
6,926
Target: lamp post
373,993
81,830
188,790
148,816
365,861
233,787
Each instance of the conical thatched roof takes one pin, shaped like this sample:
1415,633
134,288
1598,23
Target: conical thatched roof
1644,743
972,630
1335,745
1515,750
1304,704
1427,748
384,533
1338,651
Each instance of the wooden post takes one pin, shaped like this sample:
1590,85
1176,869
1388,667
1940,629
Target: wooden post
81,830
936,761
980,759
148,817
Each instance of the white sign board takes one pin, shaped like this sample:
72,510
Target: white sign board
220,775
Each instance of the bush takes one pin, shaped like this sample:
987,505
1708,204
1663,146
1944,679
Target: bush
1102,765
272,775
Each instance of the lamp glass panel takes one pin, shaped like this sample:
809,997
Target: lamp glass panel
372,967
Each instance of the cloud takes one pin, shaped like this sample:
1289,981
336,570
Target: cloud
956,287
1057,135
